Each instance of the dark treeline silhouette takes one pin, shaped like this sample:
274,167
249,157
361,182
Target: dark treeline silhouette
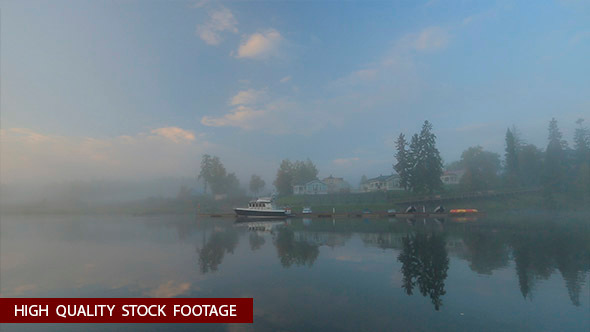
558,169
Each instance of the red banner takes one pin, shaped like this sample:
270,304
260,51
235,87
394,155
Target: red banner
126,310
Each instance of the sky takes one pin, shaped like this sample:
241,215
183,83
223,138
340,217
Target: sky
136,90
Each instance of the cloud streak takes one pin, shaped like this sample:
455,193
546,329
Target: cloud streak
260,45
219,21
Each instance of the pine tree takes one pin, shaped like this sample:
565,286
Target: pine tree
433,164
402,167
582,150
416,165
511,159
554,170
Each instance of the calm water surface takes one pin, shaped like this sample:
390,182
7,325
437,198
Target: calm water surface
322,275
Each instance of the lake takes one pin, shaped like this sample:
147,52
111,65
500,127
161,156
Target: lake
512,274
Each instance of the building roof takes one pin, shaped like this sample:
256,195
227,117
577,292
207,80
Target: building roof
458,172
316,180
306,183
382,178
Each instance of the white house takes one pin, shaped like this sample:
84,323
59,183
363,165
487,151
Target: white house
382,183
452,177
313,187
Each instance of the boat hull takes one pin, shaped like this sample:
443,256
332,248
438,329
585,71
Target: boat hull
251,213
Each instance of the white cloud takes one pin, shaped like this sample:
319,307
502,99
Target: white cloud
260,45
175,134
220,20
285,79
248,97
242,117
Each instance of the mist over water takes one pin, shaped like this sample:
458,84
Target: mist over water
350,274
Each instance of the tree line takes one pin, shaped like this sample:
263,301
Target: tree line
215,177
556,169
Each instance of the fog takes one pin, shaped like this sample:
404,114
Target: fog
99,108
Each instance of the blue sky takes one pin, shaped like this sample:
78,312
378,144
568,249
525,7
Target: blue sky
136,89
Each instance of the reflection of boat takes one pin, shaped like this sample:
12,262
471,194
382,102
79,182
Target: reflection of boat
262,208
265,226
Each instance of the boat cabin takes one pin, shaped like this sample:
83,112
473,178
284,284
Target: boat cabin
261,204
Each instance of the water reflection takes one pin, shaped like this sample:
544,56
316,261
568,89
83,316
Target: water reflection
219,243
425,263
539,252
351,270
256,241
292,251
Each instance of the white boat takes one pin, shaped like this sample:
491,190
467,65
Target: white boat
262,208
306,210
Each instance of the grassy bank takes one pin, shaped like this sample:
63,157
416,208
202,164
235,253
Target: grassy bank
531,202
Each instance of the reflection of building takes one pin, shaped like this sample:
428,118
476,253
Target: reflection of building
382,183
313,187
452,177
336,185
383,240
329,239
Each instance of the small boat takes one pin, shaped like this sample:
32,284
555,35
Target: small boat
463,211
262,208
306,210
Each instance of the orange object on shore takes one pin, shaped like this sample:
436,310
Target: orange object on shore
463,211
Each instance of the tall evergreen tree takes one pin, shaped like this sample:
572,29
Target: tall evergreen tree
206,173
416,168
582,150
511,160
433,164
402,167
554,170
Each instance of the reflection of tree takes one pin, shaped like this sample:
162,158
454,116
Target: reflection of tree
538,252
256,241
573,261
486,251
212,253
533,259
424,262
292,251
